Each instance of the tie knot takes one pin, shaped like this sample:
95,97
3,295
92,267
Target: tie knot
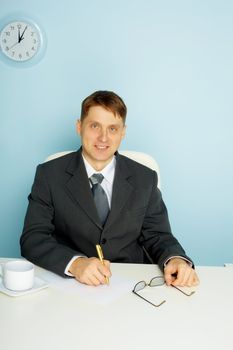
96,179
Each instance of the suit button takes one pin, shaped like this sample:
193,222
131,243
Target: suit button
103,241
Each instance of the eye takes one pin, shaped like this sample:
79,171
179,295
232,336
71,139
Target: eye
113,129
94,125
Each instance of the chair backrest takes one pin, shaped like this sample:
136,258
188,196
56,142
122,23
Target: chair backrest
140,157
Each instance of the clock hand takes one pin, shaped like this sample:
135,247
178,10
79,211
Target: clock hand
21,36
18,35
13,45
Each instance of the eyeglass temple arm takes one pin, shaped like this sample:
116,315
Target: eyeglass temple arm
162,302
187,294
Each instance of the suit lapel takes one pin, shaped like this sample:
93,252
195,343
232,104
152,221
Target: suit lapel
122,189
79,188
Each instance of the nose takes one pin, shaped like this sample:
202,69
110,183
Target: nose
103,136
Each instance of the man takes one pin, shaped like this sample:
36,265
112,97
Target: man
72,207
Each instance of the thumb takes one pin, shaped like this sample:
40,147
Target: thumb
169,271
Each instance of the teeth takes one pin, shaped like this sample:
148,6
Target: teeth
101,147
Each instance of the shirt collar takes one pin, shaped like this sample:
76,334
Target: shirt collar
108,172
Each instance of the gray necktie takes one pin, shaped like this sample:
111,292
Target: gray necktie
100,197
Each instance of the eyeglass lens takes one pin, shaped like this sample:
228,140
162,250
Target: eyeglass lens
154,282
157,281
139,286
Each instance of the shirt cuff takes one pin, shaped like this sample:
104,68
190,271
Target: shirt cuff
177,256
67,273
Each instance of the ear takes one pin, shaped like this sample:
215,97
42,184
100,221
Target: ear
78,126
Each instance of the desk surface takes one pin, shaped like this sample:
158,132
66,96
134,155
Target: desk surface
54,319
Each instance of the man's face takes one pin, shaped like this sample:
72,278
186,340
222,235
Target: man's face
101,133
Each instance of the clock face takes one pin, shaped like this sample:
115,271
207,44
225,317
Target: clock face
20,41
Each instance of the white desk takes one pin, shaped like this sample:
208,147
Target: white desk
52,319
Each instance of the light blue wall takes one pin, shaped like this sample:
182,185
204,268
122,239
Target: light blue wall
172,63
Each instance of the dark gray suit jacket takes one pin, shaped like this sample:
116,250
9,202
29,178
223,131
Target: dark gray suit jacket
62,220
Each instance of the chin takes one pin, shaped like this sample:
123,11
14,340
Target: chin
103,158
103,154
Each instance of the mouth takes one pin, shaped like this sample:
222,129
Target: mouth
101,148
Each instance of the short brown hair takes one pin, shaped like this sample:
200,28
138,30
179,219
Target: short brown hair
108,100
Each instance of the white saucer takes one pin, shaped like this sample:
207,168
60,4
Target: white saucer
38,285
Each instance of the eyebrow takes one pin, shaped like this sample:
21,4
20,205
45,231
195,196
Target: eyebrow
97,122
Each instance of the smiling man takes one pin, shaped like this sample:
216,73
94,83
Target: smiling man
101,132
97,196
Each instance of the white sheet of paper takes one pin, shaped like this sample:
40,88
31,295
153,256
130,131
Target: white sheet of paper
102,294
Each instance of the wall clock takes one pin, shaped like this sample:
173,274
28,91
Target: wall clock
22,42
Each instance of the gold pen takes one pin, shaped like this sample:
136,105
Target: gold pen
101,257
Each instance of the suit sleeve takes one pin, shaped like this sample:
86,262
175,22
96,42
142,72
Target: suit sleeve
157,237
38,242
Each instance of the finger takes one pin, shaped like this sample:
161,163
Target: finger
192,280
169,278
106,268
169,273
92,271
187,277
171,267
98,273
103,275
183,275
94,281
90,281
87,270
107,264
196,280
92,278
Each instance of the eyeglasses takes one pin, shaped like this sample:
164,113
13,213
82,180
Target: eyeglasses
155,282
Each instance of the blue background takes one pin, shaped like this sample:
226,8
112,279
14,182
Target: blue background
171,61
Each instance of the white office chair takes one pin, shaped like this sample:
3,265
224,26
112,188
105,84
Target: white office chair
139,157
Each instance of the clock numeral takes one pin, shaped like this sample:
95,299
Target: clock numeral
33,48
27,54
4,41
7,33
12,28
12,53
19,26
20,56
34,41
7,48
32,33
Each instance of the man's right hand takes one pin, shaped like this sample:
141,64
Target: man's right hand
90,271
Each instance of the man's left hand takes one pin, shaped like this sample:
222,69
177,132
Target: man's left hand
179,273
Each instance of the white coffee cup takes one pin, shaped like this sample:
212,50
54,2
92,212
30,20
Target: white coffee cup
18,275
